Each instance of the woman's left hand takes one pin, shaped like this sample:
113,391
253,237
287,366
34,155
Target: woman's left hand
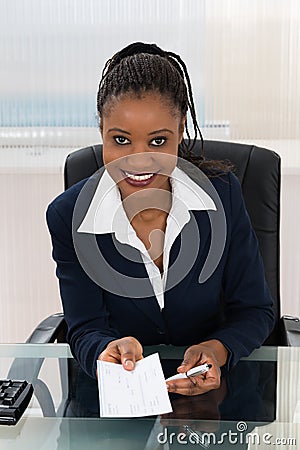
210,352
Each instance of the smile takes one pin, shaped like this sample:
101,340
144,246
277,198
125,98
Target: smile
139,179
142,177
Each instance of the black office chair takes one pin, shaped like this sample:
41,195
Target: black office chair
258,170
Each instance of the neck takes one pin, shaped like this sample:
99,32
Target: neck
150,215
147,208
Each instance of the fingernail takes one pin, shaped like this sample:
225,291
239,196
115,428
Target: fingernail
129,364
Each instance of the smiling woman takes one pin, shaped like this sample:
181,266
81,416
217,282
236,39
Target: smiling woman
151,217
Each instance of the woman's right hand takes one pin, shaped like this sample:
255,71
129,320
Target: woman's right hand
125,351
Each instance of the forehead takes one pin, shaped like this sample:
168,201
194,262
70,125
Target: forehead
144,103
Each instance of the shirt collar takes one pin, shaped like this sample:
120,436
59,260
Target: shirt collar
106,213
189,192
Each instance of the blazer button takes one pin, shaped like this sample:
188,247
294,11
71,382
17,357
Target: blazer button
160,331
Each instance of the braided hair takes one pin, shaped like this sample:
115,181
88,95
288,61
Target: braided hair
140,68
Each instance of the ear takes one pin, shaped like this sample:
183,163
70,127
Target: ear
181,128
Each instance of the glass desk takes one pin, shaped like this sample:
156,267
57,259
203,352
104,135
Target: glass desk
257,405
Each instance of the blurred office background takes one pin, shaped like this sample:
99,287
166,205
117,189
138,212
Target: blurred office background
243,57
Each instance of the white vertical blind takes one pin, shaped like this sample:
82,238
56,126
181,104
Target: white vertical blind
243,57
52,52
252,75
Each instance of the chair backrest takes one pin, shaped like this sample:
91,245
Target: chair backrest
258,170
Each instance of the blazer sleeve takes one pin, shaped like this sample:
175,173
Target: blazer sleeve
249,314
85,313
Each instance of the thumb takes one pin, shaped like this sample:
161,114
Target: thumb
130,351
128,359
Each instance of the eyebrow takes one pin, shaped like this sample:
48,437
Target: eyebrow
119,130
160,131
150,134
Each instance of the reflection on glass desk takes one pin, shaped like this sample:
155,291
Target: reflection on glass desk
256,405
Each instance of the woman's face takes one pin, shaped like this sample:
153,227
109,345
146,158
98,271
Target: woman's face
140,142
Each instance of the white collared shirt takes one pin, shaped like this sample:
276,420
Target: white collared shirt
107,215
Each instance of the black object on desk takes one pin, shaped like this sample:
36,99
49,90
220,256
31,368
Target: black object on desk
14,398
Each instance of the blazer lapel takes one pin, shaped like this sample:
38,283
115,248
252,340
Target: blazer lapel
128,277
189,249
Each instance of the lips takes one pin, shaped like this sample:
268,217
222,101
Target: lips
139,179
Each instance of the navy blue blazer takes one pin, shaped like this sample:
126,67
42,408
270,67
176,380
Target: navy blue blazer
233,305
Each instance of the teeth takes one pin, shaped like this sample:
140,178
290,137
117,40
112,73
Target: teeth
139,177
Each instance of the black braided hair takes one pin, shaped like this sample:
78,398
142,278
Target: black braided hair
142,67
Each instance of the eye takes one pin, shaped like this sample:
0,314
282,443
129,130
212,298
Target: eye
121,140
158,141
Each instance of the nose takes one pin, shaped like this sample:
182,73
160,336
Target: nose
140,161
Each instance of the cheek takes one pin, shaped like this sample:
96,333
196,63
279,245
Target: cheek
167,160
108,156
110,153
113,158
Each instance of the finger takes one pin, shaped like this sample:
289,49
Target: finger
194,390
213,372
109,357
194,385
111,353
188,390
191,358
183,387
